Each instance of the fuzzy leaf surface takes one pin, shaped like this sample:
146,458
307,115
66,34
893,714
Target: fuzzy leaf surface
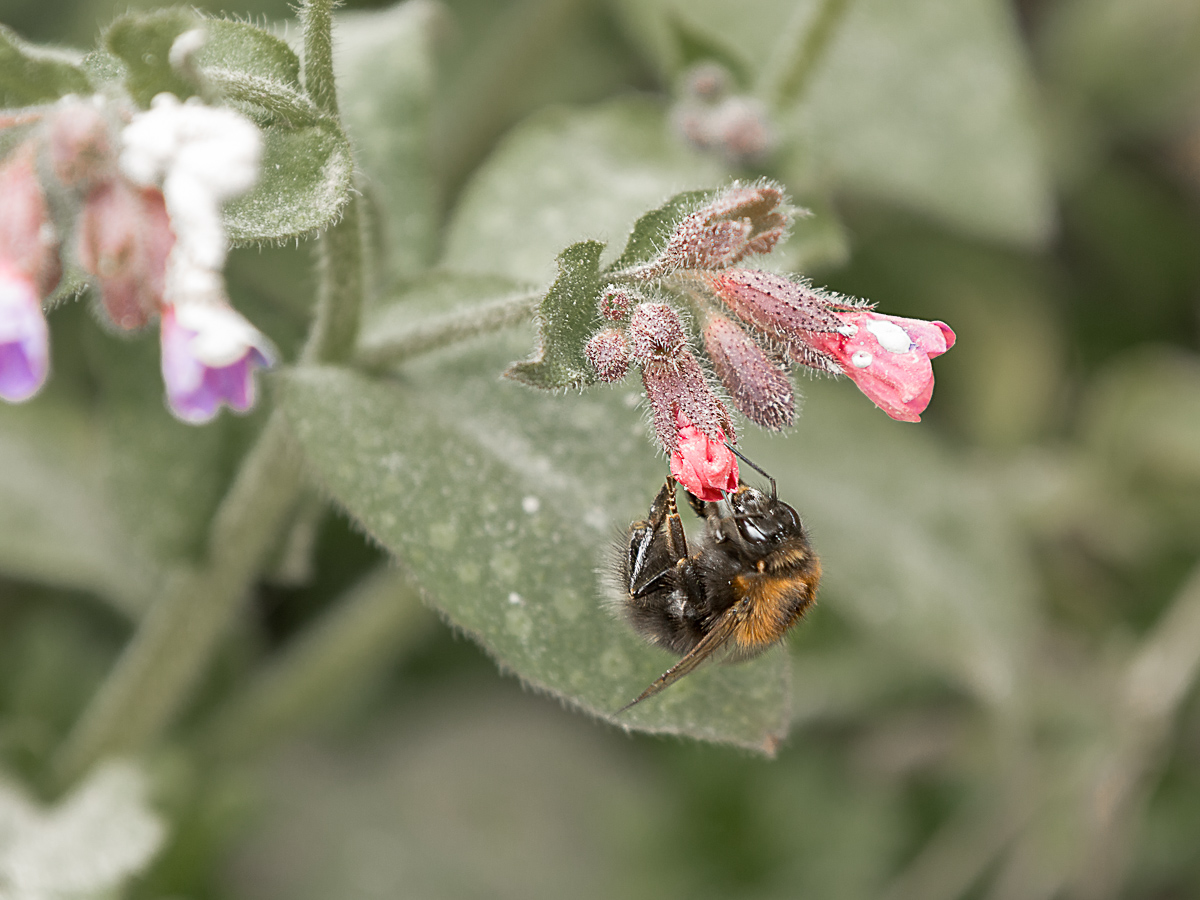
567,175
303,183
30,74
567,318
384,60
504,504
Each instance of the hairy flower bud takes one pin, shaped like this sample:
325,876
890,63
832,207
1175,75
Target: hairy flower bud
759,386
608,352
616,304
655,332
125,238
778,306
742,221
80,145
28,244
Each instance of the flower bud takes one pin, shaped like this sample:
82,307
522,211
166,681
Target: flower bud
209,354
24,338
616,304
28,244
125,238
608,352
655,332
702,464
773,304
759,386
80,146
741,221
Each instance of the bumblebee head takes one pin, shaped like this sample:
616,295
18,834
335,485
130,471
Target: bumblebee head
762,522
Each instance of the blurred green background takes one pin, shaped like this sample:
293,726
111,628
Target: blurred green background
995,697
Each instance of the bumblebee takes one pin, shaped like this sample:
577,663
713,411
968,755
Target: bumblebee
752,576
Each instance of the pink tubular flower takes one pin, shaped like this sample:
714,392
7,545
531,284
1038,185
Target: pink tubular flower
703,465
209,353
886,356
24,337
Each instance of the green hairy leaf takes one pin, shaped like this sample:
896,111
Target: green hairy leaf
303,183
505,504
567,317
142,41
651,231
567,175
30,74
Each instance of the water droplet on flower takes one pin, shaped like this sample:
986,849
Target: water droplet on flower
861,359
891,336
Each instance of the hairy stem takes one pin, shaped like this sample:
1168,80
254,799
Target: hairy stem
171,648
174,643
361,634
340,292
788,74
426,336
316,19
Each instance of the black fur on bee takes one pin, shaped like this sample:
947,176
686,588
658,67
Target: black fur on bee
751,576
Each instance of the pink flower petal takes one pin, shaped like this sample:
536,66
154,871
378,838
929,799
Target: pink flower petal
704,466
198,386
24,337
887,357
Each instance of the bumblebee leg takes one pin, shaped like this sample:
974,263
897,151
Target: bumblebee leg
656,545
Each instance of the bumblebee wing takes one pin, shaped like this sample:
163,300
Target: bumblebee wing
721,631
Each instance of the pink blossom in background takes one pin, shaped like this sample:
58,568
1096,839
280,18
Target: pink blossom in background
703,465
24,337
887,357
209,354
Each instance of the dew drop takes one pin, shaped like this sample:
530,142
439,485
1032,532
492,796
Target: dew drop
891,336
861,359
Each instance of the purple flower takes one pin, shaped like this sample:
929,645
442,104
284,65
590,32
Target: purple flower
24,338
209,353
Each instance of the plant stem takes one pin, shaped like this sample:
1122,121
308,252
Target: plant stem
174,642
316,19
458,326
340,292
362,633
785,82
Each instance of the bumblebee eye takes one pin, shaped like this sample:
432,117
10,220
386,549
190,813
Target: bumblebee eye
751,532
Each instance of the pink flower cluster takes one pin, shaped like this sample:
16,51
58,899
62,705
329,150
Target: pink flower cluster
754,326
124,237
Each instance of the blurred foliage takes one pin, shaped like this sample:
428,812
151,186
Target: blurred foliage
994,698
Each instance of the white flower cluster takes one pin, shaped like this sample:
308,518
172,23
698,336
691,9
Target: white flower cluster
201,156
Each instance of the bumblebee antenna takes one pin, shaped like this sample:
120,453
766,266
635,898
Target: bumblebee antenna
757,468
